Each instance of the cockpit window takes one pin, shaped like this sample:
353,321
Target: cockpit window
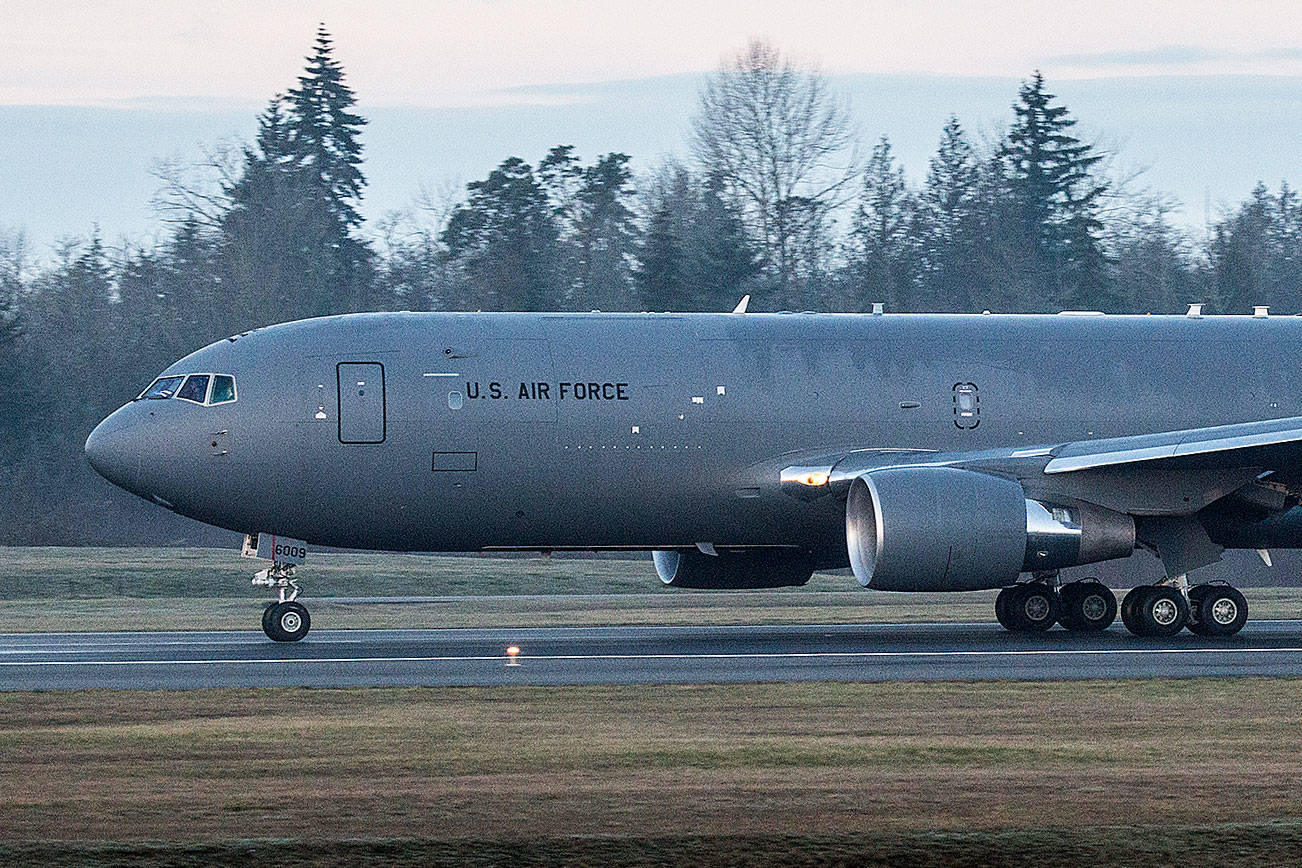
195,388
163,387
223,389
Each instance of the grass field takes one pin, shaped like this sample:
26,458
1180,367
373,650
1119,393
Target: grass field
1189,773
44,589
1193,772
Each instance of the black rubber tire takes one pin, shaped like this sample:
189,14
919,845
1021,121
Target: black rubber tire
1162,611
1087,606
1032,607
286,622
1221,610
1001,609
1128,608
1195,597
266,617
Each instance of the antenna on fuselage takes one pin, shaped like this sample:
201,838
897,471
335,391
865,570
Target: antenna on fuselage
741,305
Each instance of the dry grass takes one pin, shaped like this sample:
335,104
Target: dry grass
47,589
648,762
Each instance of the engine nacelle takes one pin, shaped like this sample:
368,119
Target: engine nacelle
944,529
734,570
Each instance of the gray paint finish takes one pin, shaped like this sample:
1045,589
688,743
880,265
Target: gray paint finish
661,431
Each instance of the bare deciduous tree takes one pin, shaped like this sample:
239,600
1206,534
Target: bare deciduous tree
783,145
197,192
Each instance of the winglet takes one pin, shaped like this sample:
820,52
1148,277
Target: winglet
741,305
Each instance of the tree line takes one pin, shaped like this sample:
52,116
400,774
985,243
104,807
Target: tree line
777,199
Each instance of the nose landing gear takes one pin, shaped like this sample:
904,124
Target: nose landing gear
284,619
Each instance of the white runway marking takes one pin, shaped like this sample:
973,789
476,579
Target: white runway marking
777,655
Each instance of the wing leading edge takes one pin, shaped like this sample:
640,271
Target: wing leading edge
1276,444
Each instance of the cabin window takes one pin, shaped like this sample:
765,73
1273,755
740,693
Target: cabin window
223,389
195,388
163,387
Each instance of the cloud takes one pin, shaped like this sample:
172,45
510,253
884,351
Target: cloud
1171,55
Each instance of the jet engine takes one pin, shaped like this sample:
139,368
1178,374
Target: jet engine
733,569
945,529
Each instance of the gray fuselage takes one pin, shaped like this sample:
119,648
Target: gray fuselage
651,431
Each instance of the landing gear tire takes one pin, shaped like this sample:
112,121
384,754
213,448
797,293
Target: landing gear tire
1156,611
1087,606
1001,608
1127,608
1031,607
1216,610
286,622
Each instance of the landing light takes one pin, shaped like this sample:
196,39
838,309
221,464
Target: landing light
807,475
511,654
806,481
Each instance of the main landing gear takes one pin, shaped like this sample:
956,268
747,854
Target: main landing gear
286,619
1032,607
1214,609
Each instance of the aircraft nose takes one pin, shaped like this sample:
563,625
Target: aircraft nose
112,452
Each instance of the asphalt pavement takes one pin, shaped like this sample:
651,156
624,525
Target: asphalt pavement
631,655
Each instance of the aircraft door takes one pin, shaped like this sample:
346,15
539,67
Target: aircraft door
361,402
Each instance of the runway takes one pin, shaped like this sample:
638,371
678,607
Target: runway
630,655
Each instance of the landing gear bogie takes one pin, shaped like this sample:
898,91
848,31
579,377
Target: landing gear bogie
1216,610
1157,611
1088,606
1031,607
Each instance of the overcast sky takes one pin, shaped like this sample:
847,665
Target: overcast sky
1207,93
466,52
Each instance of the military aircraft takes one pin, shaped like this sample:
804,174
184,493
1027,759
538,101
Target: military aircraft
926,452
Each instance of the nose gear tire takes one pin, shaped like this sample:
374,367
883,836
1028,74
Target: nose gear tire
286,622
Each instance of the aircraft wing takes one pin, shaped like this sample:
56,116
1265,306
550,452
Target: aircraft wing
1269,444
1252,471
1167,474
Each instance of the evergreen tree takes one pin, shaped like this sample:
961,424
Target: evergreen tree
661,274
881,244
322,133
696,255
1056,201
290,248
604,236
1256,253
505,241
726,262
948,224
